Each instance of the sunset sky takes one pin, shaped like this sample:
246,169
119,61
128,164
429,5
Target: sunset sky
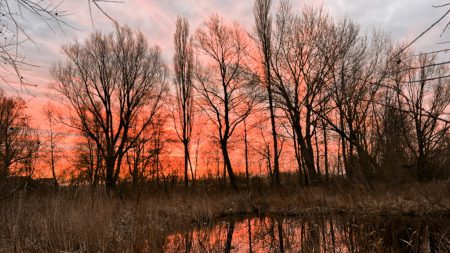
402,19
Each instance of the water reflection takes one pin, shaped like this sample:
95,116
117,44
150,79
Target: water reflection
338,234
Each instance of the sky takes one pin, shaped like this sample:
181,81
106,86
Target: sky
403,20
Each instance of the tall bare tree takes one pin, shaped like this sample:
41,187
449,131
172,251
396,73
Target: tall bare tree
305,51
227,86
183,66
115,82
263,23
49,114
356,85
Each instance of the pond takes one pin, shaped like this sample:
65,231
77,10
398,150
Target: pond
317,234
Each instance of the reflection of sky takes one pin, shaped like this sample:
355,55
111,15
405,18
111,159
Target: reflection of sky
313,234
402,19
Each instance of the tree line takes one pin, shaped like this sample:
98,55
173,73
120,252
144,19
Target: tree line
303,92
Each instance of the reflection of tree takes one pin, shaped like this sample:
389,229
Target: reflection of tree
317,234
280,234
249,225
188,237
230,232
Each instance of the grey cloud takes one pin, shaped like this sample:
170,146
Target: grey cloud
402,19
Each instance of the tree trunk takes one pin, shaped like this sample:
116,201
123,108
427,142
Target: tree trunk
308,159
298,158
218,168
4,173
307,147
276,164
55,180
347,167
110,181
227,163
316,140
186,163
325,146
247,176
421,167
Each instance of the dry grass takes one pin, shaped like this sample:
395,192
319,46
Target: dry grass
81,221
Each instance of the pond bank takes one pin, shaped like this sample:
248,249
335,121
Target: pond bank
82,221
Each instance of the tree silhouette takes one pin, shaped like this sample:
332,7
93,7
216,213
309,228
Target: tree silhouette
114,83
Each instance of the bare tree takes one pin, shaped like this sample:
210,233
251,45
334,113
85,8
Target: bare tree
138,160
356,85
27,165
18,144
305,51
389,126
157,146
143,153
183,66
115,82
227,86
247,172
263,148
52,139
423,100
89,162
263,23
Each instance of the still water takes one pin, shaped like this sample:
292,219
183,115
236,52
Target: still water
318,234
